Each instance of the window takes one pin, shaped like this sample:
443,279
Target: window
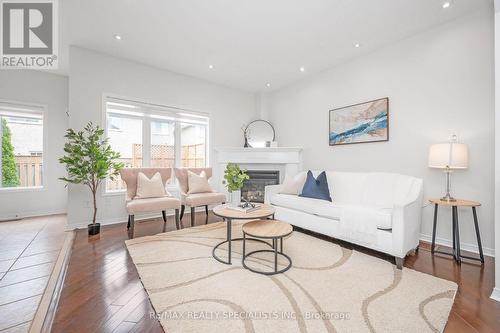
155,136
193,145
162,143
21,142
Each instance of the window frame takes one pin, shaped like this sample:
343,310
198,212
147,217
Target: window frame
150,109
35,108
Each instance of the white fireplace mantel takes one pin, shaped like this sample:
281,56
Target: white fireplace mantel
272,155
287,160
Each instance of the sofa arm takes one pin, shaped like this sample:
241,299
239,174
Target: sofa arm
270,190
406,221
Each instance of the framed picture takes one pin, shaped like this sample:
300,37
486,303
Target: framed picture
360,123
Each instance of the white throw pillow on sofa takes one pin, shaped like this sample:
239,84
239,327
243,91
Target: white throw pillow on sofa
150,187
198,183
293,185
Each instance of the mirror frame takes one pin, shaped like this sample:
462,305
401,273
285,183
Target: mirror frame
254,121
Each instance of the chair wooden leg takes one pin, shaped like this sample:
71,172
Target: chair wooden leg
164,215
128,223
192,216
177,220
131,230
206,209
182,211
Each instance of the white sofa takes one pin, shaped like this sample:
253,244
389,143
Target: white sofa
381,211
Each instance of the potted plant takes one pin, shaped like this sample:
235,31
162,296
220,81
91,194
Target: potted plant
235,178
89,160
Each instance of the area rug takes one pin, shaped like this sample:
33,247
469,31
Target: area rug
328,289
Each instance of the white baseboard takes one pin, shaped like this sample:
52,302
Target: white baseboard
117,220
463,246
495,294
37,213
138,218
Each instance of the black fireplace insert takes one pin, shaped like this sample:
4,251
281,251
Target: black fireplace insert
253,189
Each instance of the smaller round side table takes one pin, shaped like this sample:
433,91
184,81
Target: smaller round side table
456,230
267,229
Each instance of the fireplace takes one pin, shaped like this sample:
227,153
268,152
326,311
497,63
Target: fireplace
253,189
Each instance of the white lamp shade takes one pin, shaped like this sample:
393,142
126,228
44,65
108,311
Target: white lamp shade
449,155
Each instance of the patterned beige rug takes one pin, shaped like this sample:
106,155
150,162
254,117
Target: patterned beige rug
328,289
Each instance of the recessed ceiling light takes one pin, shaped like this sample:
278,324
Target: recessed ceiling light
446,5
302,69
268,85
357,45
211,66
117,37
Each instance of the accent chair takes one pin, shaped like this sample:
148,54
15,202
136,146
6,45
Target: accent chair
135,205
194,200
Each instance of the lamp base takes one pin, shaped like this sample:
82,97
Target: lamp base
448,198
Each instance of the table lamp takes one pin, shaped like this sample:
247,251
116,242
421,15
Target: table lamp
448,156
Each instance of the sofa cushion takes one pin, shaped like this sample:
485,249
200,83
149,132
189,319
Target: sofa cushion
308,205
293,185
316,188
331,210
347,187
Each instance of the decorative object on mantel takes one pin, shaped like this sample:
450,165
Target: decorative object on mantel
259,133
235,178
360,123
449,156
244,129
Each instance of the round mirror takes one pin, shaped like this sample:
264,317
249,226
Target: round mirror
259,133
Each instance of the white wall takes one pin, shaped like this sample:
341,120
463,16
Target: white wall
496,292
92,74
51,91
439,82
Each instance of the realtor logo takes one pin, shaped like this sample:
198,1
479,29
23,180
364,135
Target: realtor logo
29,34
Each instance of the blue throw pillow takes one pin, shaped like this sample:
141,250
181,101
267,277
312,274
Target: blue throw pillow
316,188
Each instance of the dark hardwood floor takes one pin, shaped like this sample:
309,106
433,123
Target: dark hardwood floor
102,291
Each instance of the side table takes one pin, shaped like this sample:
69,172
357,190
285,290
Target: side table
267,229
455,226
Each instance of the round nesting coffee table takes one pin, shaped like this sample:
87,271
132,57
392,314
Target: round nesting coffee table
267,229
230,214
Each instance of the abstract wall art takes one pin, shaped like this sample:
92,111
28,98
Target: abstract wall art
360,123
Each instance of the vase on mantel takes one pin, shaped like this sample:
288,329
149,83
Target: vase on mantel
235,197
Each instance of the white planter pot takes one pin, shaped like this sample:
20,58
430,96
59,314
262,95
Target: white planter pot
235,197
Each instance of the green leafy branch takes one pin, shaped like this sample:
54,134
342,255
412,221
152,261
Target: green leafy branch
89,159
235,177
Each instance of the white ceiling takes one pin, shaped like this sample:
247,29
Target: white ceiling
249,42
